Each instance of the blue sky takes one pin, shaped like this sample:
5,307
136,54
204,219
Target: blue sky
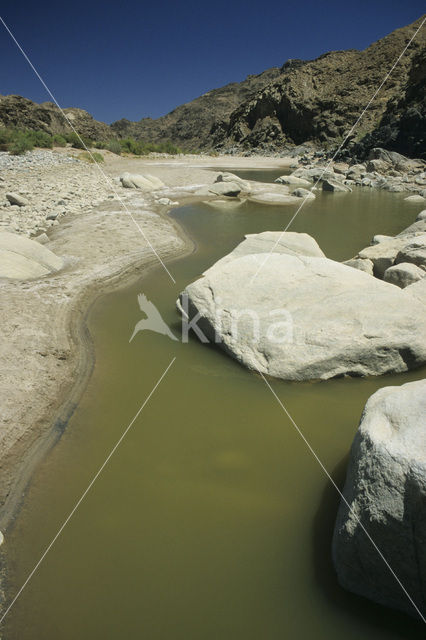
137,59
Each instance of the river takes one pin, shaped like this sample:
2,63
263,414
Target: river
212,520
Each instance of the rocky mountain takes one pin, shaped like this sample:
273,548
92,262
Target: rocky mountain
190,124
22,113
313,102
320,100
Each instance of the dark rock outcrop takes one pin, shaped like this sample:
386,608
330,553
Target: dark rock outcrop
197,124
320,101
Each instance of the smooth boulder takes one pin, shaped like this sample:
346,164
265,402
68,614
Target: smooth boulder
385,492
403,274
15,198
144,182
299,317
22,258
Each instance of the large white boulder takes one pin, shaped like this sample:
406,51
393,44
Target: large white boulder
386,492
300,317
231,177
22,258
144,182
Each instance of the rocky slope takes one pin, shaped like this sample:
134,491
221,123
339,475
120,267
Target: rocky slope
190,125
321,99
22,113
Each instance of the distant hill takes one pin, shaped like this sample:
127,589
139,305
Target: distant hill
190,125
22,113
314,102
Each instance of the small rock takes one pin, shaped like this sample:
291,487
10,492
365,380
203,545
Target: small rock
303,193
365,264
403,274
16,199
332,185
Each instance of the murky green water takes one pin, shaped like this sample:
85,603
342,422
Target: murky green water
212,520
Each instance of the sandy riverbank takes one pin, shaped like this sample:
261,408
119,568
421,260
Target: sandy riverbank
46,354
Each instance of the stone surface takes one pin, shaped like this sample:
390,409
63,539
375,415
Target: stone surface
230,177
22,258
291,179
303,193
290,242
15,198
414,252
144,182
345,336
383,254
386,492
403,274
333,185
363,264
272,198
415,199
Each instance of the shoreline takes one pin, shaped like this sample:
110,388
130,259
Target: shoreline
39,434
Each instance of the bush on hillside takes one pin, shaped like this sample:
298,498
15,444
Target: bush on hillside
114,146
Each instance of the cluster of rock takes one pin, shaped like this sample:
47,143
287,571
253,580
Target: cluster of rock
385,495
231,186
399,260
38,189
330,325
384,169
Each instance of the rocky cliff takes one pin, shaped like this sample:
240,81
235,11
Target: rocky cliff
22,113
320,100
190,125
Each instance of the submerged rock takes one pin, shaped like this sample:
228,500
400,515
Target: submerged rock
385,491
300,317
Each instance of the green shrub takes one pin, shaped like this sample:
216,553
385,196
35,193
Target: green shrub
59,141
78,142
5,138
20,144
91,157
114,146
39,139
